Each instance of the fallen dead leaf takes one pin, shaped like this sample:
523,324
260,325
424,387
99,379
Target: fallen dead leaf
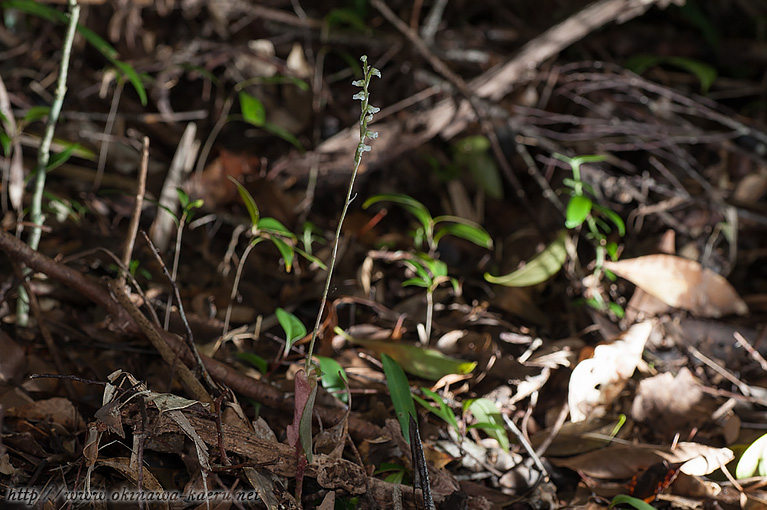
596,382
681,283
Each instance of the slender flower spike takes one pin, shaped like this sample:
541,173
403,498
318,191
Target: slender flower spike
367,109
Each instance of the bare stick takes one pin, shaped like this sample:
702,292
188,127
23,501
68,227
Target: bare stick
136,215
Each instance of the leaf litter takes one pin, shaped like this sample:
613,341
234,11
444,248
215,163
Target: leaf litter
601,385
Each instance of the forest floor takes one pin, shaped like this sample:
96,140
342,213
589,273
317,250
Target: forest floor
554,257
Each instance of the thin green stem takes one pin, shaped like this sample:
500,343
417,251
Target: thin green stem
43,152
365,117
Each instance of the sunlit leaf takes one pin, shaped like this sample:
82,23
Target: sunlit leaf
753,462
623,499
578,210
333,377
486,412
399,390
252,109
443,410
274,226
464,229
539,269
250,203
425,363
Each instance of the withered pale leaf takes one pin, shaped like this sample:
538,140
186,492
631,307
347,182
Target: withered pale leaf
681,283
596,382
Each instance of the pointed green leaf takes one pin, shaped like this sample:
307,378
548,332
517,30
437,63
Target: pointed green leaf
284,134
333,377
463,228
443,411
292,326
486,412
539,269
254,359
252,109
274,226
285,250
59,159
250,203
425,363
399,390
412,205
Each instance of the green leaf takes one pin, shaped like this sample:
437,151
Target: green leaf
705,73
614,217
623,499
333,377
284,134
59,159
5,142
36,113
425,363
254,359
754,460
539,269
183,198
399,390
252,109
285,250
465,229
273,226
250,203
443,411
292,326
416,282
490,420
578,210
412,205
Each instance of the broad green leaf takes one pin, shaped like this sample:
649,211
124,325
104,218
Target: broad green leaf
399,390
250,203
285,250
539,269
425,363
333,377
412,205
754,460
486,412
578,210
252,109
274,226
623,499
463,228
443,411
254,359
292,326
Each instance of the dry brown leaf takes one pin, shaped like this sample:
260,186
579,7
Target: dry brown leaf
57,409
681,283
596,382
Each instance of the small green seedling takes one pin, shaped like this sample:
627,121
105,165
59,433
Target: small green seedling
429,273
442,410
624,499
430,229
292,326
489,419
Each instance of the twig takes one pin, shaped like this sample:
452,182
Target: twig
189,337
130,239
158,342
753,352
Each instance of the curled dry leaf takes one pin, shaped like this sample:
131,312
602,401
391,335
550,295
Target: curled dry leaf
681,283
596,382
